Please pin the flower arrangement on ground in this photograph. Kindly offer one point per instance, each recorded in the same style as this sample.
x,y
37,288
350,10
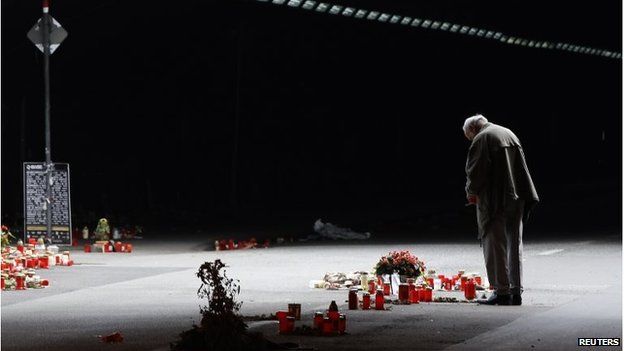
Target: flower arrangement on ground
x,y
6,236
402,263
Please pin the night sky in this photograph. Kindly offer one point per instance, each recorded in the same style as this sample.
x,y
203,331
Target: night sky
x,y
206,111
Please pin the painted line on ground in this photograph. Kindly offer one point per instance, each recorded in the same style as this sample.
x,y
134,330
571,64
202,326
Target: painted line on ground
x,y
549,252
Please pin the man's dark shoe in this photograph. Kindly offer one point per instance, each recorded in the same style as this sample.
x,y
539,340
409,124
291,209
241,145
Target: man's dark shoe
x,y
496,299
516,300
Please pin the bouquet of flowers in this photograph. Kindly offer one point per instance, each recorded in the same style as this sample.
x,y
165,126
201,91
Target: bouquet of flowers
x,y
6,236
400,262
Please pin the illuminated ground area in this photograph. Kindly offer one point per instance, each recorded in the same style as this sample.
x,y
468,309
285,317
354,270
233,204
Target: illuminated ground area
x,y
573,289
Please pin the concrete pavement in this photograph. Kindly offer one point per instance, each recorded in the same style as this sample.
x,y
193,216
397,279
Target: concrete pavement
x,y
573,289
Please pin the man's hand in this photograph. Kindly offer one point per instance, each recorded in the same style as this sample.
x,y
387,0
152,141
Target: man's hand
x,y
472,199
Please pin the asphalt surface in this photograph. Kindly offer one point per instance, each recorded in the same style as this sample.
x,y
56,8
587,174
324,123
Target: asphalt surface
x,y
572,290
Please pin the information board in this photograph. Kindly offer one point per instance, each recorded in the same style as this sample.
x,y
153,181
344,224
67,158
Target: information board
x,y
35,216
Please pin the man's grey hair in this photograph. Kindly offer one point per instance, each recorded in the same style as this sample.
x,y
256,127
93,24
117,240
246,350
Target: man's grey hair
x,y
476,120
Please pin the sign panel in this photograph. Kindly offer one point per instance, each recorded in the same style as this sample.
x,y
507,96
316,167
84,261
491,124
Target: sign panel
x,y
35,204
57,35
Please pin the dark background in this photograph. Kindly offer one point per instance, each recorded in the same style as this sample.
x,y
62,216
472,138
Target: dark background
x,y
201,113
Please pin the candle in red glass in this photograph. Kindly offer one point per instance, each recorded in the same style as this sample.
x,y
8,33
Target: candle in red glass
x,y
371,287
430,282
386,289
413,294
366,301
334,317
470,292
404,293
283,326
128,248
478,280
30,263
43,262
118,246
281,315
318,320
290,324
45,282
342,324
328,326
87,248
19,282
462,287
353,299
422,296
428,295
447,284
20,248
32,241
379,300
57,259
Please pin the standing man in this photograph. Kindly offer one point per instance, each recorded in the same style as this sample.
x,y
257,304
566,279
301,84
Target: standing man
x,y
499,184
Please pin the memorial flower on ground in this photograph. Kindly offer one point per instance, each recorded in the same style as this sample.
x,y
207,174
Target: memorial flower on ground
x,y
400,262
6,236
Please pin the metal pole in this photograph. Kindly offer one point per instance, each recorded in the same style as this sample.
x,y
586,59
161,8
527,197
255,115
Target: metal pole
x,y
48,146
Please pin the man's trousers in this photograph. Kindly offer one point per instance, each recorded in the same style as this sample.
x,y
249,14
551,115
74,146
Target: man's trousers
x,y
502,249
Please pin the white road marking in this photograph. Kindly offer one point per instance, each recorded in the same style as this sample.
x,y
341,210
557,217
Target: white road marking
x,y
549,252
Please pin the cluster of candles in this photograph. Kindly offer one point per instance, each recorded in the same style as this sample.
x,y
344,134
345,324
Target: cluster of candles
x,y
19,263
328,323
411,293
408,293
460,282
332,322
221,245
106,246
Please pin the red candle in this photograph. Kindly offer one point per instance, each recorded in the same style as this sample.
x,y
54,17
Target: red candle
x,y
43,262
413,294
404,293
2,284
342,324
128,248
428,295
386,289
430,282
462,286
87,248
422,295
448,285
283,326
379,300
318,320
32,241
470,292
45,282
371,287
328,326
58,259
353,299
281,315
19,282
118,246
20,248
366,301
31,263
478,280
